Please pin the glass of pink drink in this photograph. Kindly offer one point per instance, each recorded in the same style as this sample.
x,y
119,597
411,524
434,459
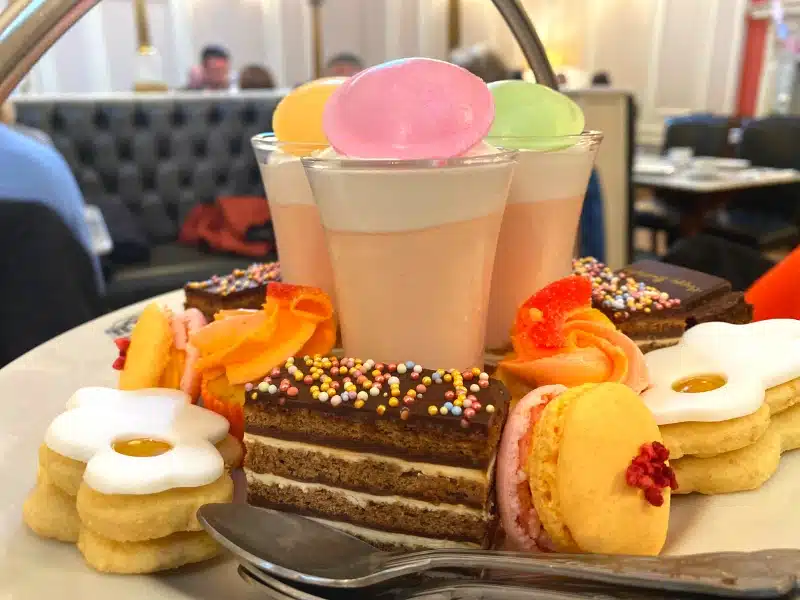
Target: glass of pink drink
x,y
302,250
412,245
539,232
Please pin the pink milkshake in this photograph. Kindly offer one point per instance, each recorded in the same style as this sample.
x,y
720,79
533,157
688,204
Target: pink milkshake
x,y
298,231
412,243
540,226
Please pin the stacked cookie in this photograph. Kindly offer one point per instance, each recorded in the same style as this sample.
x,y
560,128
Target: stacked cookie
x,y
122,474
727,401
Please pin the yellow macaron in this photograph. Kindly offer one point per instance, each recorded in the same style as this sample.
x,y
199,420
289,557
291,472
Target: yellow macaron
x,y
582,446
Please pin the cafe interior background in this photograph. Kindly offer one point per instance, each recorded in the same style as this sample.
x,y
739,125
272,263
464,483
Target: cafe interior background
x,y
641,70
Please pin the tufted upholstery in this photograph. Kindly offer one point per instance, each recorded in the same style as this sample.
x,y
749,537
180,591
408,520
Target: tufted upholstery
x,y
146,160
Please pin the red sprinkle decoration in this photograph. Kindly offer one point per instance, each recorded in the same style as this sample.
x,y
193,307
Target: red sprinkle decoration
x,y
650,473
122,344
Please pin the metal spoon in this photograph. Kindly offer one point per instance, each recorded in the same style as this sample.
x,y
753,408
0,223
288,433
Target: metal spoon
x,y
302,550
443,590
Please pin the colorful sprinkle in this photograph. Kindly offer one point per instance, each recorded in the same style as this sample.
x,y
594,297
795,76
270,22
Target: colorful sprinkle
x,y
619,294
341,381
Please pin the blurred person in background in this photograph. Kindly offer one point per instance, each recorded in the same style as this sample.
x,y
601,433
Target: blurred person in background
x,y
254,77
480,60
31,171
8,117
46,251
601,79
343,65
216,65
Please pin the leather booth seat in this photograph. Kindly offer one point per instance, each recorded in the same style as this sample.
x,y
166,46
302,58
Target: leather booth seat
x,y
145,160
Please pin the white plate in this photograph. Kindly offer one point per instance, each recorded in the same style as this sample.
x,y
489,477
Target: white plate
x,y
35,388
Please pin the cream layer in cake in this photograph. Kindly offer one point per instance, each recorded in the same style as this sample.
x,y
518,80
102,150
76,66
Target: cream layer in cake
x,y
386,540
396,514
367,472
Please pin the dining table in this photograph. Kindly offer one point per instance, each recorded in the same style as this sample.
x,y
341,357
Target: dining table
x,y
35,388
695,192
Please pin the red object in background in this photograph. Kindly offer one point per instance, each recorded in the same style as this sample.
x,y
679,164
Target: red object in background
x,y
755,47
776,295
224,224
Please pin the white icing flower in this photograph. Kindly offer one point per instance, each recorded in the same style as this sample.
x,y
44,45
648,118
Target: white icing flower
x,y
97,418
750,359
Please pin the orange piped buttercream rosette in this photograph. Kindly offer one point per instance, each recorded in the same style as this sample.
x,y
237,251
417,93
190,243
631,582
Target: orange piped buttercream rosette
x,y
559,338
242,346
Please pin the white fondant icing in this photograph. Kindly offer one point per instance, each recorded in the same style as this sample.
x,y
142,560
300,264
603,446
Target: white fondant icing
x,y
752,357
97,417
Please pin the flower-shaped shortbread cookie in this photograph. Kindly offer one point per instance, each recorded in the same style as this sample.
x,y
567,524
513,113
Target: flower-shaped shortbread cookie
x,y
102,425
721,371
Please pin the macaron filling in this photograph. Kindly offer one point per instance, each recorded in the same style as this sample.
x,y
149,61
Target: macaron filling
x,y
518,514
542,468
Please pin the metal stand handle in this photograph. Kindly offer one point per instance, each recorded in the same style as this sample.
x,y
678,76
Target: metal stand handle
x,y
28,28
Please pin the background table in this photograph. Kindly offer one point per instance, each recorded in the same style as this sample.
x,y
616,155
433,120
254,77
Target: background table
x,y
35,388
695,198
724,182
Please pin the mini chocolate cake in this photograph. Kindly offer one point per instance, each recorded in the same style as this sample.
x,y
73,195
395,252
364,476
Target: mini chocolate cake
x,y
653,302
243,288
398,455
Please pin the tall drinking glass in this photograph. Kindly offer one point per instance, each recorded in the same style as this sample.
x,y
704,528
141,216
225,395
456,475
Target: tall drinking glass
x,y
412,245
540,226
298,231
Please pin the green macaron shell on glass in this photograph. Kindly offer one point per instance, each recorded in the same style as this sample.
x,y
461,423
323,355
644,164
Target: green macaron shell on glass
x,y
529,116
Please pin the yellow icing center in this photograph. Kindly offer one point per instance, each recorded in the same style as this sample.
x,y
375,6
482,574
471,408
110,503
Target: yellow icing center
x,y
141,447
699,383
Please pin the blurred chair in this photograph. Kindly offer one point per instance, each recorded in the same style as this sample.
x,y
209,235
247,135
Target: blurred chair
x,y
765,218
48,277
707,135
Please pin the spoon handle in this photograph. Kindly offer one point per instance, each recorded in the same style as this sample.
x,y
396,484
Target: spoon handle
x,y
730,574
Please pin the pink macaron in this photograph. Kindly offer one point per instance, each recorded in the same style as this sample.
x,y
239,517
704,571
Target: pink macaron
x,y
410,109
184,324
518,516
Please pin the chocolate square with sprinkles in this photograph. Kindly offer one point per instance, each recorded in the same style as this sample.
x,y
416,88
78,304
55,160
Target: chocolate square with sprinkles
x,y
242,288
654,302
414,446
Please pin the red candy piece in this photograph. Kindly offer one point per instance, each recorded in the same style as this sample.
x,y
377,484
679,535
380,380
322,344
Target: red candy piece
x,y
540,320
122,344
650,473
282,291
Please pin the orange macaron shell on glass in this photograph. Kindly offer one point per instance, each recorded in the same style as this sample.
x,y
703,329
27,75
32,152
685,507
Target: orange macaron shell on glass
x,y
583,470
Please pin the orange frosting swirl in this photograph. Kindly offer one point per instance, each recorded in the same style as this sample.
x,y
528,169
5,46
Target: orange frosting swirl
x,y
248,344
559,338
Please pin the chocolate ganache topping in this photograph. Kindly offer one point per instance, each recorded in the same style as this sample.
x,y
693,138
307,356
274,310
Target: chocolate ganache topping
x,y
368,390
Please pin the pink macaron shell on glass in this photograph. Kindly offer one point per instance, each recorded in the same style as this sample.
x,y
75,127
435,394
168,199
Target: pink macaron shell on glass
x,y
410,109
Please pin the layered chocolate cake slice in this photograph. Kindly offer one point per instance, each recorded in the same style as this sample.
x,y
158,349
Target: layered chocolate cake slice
x,y
242,288
653,302
398,455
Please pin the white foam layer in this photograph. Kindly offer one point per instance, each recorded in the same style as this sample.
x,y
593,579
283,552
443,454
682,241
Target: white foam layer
x,y
362,499
401,539
542,176
431,470
396,198
285,180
